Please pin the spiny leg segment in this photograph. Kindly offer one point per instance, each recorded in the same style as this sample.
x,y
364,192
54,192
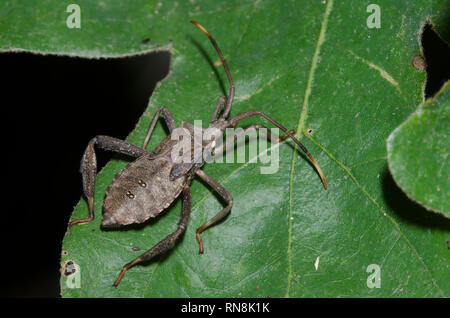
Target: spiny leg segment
x,y
89,166
89,160
166,243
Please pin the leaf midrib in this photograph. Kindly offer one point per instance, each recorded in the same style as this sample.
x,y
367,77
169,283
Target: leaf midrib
x,y
300,127
299,133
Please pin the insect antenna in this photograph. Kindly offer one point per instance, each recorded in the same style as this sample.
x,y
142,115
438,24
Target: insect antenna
x,y
234,121
227,110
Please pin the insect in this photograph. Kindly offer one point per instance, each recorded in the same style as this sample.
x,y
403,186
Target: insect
x,y
148,185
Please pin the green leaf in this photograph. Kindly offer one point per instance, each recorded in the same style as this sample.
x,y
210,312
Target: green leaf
x,y
418,154
314,66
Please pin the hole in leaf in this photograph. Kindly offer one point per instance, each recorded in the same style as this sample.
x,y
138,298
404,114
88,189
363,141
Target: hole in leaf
x,y
69,268
437,54
54,105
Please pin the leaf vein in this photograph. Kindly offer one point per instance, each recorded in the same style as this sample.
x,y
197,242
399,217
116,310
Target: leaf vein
x,y
300,126
381,71
380,209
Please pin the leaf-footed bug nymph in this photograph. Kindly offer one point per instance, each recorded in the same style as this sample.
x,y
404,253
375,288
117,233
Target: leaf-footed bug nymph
x,y
148,185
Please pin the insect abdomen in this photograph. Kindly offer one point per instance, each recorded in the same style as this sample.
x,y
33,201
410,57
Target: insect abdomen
x,y
142,190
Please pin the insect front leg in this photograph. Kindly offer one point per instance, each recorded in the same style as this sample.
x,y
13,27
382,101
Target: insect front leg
x,y
241,133
236,119
89,166
219,107
169,122
219,216
168,241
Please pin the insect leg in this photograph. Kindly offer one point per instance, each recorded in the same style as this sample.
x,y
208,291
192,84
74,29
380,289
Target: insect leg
x,y
169,122
219,216
234,121
168,241
89,166
244,132
219,107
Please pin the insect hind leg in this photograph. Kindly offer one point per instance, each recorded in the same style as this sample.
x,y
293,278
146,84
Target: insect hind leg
x,y
89,166
166,243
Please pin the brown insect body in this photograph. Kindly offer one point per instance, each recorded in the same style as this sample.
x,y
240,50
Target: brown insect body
x,y
148,185
142,190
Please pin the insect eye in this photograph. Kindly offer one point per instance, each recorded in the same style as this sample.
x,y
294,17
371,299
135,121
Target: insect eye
x,y
130,195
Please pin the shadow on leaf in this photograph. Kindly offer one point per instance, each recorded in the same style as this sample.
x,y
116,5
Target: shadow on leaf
x,y
408,210
211,64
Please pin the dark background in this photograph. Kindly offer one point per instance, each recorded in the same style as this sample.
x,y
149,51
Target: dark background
x,y
54,106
